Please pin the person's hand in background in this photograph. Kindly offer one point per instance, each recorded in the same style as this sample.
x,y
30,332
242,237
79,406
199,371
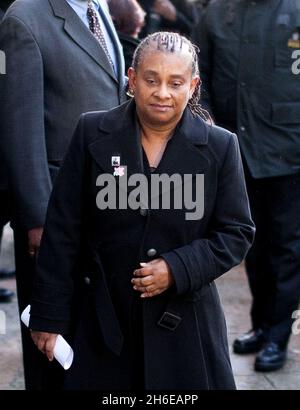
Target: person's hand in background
x,y
165,9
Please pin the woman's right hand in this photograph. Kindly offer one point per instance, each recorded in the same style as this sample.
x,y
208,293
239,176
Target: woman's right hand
x,y
45,342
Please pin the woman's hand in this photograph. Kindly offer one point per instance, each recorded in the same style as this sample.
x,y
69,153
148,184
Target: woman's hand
x,y
152,278
45,342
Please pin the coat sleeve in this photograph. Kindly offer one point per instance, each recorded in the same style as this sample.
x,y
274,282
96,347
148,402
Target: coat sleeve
x,y
23,144
61,243
230,235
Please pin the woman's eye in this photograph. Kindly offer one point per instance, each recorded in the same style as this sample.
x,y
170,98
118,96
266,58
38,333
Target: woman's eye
x,y
150,81
176,85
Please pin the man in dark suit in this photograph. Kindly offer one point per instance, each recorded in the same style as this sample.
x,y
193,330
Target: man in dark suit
x,y
246,61
63,58
5,294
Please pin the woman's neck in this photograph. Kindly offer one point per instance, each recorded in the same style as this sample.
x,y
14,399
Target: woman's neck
x,y
154,143
151,134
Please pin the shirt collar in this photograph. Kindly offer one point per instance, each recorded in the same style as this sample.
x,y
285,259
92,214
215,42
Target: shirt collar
x,y
82,4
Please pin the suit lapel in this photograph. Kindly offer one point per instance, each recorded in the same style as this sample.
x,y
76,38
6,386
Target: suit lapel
x,y
81,35
117,45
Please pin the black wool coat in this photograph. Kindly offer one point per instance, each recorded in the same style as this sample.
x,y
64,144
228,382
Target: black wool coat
x,y
184,331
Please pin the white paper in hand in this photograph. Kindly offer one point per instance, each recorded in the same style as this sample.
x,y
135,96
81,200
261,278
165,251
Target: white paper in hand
x,y
63,352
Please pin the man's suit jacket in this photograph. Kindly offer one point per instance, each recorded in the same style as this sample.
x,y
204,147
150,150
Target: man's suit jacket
x,y
56,70
111,243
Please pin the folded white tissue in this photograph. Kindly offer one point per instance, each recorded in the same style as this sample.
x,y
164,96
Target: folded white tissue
x,y
63,352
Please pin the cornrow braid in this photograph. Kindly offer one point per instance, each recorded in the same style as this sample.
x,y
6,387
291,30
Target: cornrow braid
x,y
170,43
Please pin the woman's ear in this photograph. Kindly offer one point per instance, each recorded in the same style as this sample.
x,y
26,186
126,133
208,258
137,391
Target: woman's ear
x,y
131,78
195,81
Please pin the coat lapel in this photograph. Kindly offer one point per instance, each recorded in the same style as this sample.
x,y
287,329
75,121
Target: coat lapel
x,y
185,153
81,35
122,139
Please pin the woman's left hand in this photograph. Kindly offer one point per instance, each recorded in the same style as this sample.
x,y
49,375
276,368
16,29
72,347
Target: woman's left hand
x,y
152,278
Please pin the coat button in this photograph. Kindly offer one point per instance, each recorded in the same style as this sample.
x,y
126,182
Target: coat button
x,y
143,212
87,280
151,252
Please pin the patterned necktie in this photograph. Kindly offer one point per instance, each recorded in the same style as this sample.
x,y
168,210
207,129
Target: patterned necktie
x,y
95,28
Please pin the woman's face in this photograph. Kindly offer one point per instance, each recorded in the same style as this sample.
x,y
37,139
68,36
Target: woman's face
x,y
162,86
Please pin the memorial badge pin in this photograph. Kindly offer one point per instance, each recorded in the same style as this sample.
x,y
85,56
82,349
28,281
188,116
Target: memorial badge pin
x,y
115,161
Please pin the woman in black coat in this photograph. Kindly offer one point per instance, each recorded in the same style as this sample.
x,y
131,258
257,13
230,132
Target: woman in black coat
x,y
151,318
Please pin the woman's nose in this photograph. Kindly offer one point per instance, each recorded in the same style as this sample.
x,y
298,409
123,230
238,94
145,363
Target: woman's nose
x,y
163,92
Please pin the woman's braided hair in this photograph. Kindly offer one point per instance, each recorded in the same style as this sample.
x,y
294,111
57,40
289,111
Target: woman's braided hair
x,y
171,42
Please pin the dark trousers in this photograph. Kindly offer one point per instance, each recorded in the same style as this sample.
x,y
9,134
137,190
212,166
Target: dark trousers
x,y
39,373
273,263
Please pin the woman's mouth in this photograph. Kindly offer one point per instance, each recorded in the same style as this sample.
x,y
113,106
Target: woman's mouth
x,y
161,107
